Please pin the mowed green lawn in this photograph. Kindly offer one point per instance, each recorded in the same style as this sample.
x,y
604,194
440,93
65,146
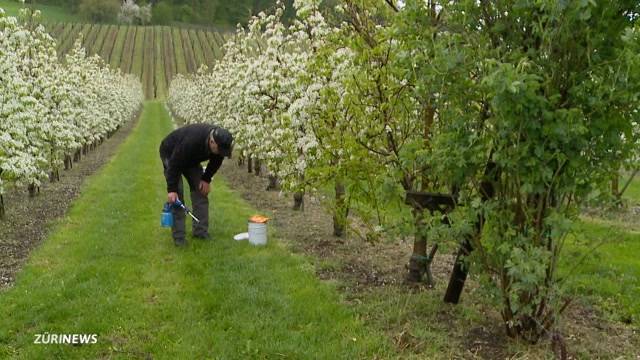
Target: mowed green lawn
x,y
608,267
108,268
50,13
601,262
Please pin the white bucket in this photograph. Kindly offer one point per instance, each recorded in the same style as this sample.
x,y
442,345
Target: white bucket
x,y
258,233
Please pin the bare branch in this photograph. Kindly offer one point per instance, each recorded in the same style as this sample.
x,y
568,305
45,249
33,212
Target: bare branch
x,y
392,4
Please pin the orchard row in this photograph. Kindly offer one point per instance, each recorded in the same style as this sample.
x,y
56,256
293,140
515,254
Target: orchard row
x,y
484,124
52,111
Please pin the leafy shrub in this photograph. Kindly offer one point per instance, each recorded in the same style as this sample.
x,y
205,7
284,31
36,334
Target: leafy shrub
x,y
99,10
162,14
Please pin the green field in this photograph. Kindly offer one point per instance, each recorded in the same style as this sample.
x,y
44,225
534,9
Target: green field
x,y
116,273
153,53
49,13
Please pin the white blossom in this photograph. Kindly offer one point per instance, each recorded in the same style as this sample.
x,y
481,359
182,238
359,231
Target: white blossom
x,y
263,92
48,110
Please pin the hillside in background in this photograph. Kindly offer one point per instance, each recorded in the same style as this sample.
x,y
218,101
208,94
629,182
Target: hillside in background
x,y
219,13
154,53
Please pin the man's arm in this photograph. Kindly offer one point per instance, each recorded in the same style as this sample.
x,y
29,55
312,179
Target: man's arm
x,y
212,167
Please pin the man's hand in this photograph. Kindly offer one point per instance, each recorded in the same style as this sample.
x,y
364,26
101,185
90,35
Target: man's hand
x,y
172,197
204,188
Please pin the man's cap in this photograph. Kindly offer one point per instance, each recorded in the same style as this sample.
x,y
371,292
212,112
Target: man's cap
x,y
224,139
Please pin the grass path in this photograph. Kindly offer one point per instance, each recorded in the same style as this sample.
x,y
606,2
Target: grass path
x,y
109,269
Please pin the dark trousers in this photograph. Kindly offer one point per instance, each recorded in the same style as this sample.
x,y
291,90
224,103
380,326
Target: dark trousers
x,y
199,204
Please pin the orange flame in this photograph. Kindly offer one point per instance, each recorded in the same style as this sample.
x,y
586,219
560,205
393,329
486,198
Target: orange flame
x,y
260,219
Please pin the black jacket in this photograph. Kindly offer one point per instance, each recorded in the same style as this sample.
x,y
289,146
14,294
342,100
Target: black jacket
x,y
187,147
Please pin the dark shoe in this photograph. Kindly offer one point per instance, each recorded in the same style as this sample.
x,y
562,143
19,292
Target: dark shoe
x,y
180,242
202,237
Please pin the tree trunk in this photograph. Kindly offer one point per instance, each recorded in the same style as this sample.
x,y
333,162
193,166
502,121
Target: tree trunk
x,y
524,327
615,187
420,263
298,201
341,211
68,163
32,190
249,164
2,210
273,183
54,176
257,166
